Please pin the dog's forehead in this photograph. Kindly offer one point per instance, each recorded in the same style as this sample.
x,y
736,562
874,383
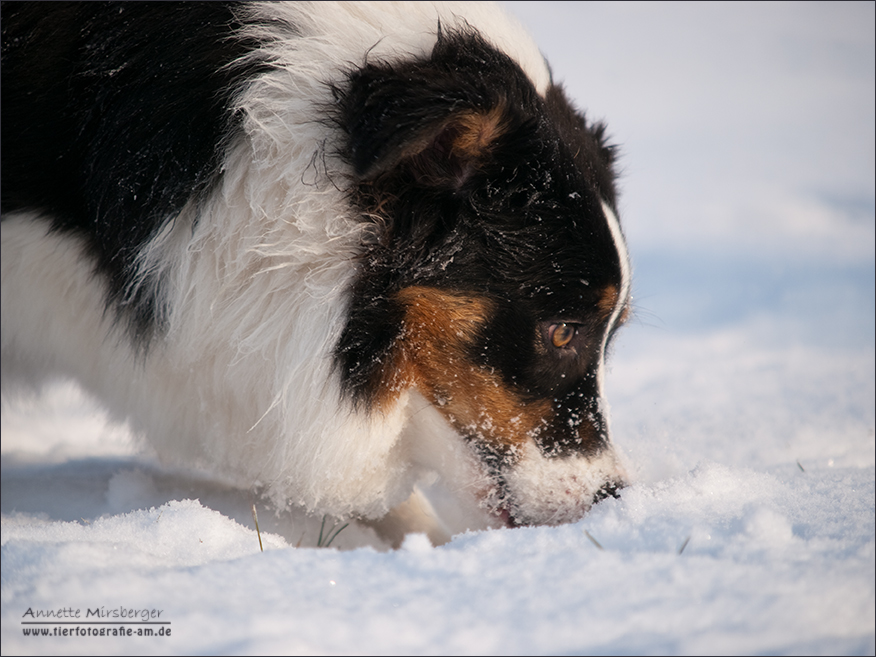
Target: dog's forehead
x,y
565,263
563,248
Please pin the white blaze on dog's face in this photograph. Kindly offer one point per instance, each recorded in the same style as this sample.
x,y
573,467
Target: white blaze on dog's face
x,y
497,273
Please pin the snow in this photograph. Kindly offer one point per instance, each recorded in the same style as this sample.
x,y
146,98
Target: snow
x,y
742,398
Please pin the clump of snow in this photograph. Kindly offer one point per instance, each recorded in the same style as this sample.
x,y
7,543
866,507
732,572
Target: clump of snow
x,y
417,543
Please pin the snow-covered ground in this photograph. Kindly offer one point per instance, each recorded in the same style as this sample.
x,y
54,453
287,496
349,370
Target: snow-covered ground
x,y
743,398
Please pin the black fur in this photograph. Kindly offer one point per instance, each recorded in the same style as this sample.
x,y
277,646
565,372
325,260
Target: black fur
x,y
114,117
522,226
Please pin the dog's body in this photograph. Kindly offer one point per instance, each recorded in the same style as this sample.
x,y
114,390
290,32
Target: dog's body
x,y
321,248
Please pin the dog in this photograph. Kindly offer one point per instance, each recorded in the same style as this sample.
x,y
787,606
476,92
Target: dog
x,y
323,250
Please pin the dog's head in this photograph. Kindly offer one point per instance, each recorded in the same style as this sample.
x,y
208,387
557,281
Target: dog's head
x,y
495,272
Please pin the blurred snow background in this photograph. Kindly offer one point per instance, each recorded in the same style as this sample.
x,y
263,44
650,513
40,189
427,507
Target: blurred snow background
x,y
742,395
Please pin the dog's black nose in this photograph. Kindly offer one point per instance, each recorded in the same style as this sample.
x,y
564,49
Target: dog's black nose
x,y
610,489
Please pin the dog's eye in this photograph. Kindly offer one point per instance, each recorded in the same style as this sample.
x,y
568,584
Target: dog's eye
x,y
561,334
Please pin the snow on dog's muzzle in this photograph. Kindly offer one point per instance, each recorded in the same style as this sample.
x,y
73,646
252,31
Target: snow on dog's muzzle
x,y
538,490
556,476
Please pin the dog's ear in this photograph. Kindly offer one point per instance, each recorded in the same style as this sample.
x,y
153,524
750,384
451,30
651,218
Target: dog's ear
x,y
445,156
398,120
440,117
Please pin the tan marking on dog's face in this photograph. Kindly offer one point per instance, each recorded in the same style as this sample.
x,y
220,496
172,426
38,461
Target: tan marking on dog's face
x,y
607,301
431,354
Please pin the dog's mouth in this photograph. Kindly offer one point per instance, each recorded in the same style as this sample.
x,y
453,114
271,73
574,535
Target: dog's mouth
x,y
504,515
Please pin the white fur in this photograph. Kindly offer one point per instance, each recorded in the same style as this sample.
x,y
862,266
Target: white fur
x,y
620,244
623,298
255,290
